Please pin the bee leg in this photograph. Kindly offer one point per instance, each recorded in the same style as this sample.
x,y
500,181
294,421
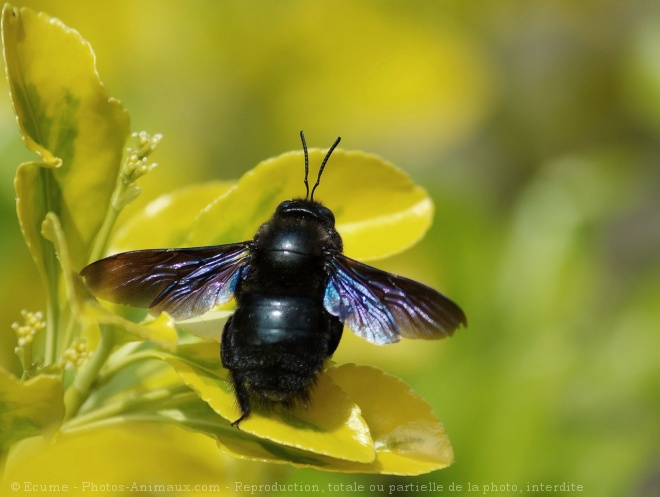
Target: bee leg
x,y
229,361
243,397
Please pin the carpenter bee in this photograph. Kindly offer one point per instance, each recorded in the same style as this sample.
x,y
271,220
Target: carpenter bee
x,y
294,289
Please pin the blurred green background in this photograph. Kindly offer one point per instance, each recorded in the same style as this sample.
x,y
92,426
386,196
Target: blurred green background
x,y
534,125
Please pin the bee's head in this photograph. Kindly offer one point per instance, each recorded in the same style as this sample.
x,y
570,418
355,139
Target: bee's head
x,y
307,208
306,211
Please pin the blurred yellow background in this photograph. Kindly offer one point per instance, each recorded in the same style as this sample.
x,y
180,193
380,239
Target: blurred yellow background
x,y
534,125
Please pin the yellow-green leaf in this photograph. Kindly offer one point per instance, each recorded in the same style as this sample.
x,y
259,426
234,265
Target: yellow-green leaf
x,y
409,439
259,449
330,426
31,208
208,326
27,409
66,116
160,330
131,458
403,437
379,210
165,222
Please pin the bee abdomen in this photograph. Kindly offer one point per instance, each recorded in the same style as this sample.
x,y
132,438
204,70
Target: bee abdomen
x,y
275,347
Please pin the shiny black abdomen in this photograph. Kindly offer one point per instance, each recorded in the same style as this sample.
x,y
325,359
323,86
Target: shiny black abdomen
x,y
275,346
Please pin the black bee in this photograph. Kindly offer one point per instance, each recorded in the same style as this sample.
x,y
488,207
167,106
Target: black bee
x,y
294,290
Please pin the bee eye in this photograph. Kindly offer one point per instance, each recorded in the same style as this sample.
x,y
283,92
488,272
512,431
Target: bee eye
x,y
327,214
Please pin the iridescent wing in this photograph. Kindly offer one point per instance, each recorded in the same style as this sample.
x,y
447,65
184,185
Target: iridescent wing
x,y
382,307
182,282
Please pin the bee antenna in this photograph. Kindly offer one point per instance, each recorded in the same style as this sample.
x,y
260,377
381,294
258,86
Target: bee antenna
x,y
304,144
325,160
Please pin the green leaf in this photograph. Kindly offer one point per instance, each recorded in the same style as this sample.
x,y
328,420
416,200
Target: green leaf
x,y
66,116
330,426
165,222
128,455
27,409
31,208
197,415
409,439
379,210
401,436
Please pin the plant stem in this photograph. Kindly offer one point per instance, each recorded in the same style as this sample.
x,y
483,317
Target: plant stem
x,y
51,267
52,312
133,166
69,333
26,361
120,365
111,215
165,396
78,392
